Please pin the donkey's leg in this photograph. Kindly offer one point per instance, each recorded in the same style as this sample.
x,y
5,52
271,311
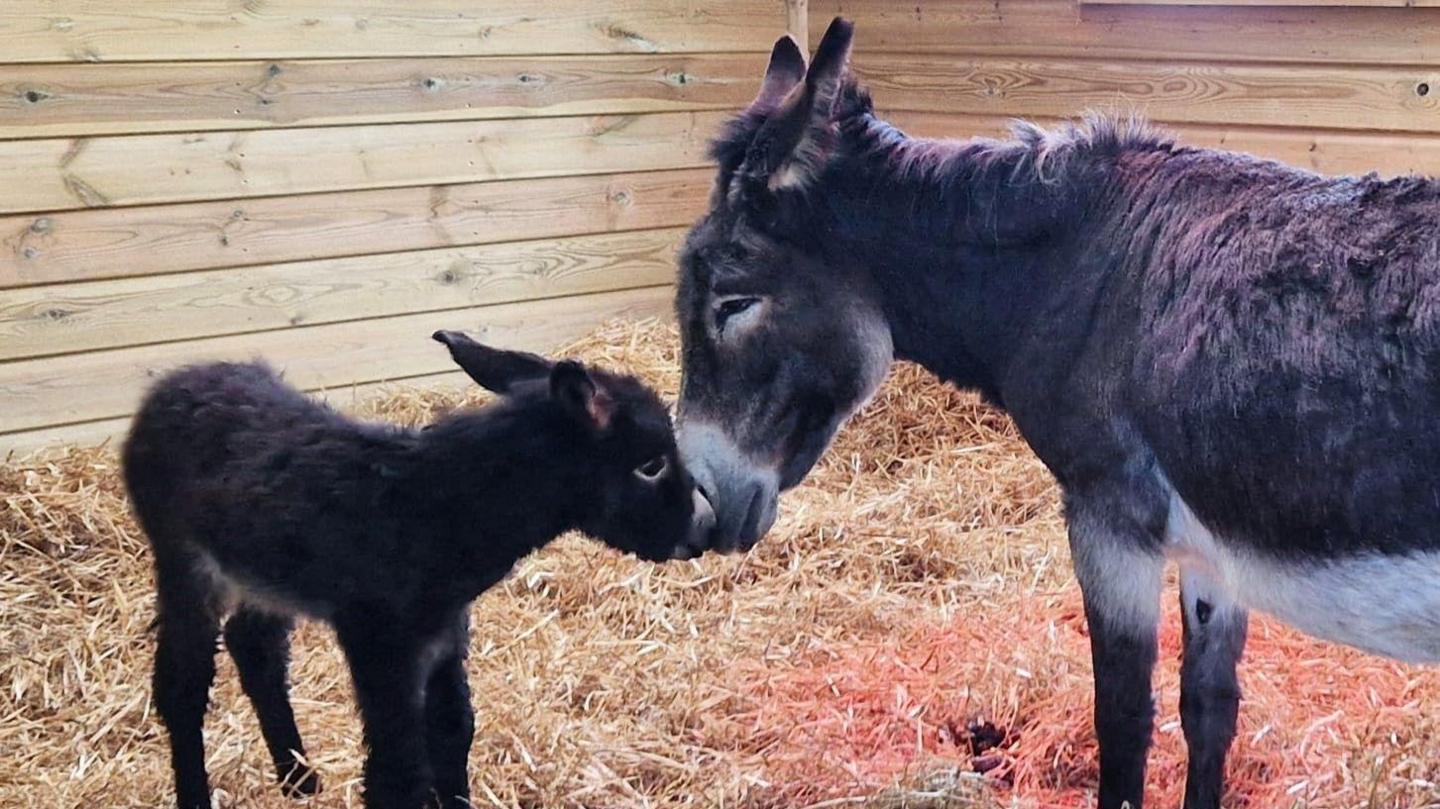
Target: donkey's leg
x,y
449,717
1119,564
386,668
188,629
260,644
1215,629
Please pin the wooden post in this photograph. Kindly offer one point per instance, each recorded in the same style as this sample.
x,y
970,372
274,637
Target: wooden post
x,y
797,23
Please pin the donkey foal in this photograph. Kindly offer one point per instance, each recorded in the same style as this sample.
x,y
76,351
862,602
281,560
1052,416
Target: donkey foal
x,y
262,504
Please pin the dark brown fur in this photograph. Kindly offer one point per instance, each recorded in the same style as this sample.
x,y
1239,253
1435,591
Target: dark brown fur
x,y
1172,328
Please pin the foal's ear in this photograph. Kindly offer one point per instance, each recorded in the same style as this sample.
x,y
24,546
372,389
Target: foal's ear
x,y
793,145
494,369
576,391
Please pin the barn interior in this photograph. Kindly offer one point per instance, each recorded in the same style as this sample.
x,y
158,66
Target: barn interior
x,y
323,183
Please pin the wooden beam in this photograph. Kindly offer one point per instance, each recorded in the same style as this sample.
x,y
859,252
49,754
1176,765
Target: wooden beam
x,y
49,442
61,174
797,24
67,318
128,242
66,100
1327,152
105,31
107,384
1288,3
1331,96
1064,28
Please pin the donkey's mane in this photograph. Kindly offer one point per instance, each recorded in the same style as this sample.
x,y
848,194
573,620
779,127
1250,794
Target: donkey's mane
x,y
1032,153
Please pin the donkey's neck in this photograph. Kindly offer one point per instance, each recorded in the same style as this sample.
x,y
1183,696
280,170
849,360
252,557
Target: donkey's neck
x,y
950,231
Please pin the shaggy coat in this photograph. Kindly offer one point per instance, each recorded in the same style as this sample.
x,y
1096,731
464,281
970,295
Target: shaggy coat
x,y
1225,362
262,504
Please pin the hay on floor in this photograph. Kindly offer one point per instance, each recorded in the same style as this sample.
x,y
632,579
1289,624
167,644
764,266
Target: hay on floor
x,y
909,635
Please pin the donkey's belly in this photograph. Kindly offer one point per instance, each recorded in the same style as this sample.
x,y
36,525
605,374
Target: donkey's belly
x,y
1388,605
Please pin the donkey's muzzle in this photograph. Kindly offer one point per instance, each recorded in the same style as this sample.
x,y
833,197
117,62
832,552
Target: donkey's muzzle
x,y
746,511
743,494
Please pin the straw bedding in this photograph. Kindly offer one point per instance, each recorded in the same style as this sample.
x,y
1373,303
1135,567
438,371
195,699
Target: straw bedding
x,y
909,635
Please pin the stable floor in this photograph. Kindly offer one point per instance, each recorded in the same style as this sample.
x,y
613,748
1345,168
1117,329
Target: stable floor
x,y
909,635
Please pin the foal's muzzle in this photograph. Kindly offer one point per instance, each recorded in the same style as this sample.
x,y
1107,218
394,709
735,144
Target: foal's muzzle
x,y
702,524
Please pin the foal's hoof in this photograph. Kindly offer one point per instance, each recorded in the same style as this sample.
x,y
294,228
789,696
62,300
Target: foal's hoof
x,y
299,781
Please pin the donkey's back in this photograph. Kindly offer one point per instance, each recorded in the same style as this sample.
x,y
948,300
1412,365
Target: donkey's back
x,y
1286,377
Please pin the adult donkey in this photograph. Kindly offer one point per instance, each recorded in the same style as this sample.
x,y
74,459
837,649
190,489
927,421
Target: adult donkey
x,y
1222,360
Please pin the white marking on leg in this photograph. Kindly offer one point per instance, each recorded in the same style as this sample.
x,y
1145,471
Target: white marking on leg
x,y
1122,579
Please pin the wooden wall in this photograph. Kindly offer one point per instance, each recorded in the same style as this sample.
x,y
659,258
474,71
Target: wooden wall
x,y
1333,88
325,182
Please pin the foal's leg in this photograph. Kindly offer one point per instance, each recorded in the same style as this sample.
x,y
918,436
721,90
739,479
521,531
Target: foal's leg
x,y
386,667
1215,629
260,644
1119,566
449,717
184,669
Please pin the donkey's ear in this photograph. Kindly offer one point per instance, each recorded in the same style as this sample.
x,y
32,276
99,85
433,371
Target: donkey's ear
x,y
784,73
492,368
794,144
576,391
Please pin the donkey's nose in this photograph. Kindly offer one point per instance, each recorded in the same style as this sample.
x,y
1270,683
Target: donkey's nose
x,y
741,493
759,515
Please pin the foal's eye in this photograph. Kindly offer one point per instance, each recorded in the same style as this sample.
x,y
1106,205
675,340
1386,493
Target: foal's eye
x,y
653,469
727,309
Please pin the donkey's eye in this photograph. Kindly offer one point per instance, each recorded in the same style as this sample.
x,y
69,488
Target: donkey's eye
x,y
730,308
653,469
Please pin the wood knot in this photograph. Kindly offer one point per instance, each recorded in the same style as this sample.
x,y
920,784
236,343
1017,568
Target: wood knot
x,y
35,96
42,225
1422,89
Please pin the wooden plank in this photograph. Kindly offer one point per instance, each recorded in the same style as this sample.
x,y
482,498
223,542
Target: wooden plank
x,y
48,442
106,384
1327,152
65,100
1257,3
60,174
66,318
125,242
105,31
1064,28
797,22
1271,95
